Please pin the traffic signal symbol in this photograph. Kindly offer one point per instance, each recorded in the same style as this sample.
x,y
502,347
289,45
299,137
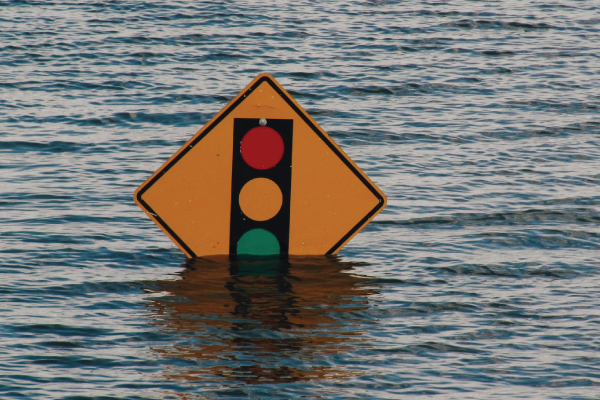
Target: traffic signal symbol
x,y
261,186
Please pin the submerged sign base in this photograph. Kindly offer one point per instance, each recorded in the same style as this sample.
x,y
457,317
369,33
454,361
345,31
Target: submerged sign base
x,y
261,178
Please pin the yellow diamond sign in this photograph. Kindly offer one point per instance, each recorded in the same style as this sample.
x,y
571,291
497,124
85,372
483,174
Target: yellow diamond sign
x,y
261,178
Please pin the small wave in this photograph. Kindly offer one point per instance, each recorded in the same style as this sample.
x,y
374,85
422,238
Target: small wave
x,y
494,24
59,329
514,270
51,147
497,52
524,217
588,127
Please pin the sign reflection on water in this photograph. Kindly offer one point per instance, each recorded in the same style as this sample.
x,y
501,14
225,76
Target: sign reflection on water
x,y
261,321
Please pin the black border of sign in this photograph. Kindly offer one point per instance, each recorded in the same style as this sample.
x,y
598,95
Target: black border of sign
x,y
305,118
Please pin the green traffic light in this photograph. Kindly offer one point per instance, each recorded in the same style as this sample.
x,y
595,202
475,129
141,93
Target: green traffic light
x,y
258,242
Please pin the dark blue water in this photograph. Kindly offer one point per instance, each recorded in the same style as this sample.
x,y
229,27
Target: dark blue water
x,y
480,280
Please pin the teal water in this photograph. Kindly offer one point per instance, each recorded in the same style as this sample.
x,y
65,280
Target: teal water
x,y
480,280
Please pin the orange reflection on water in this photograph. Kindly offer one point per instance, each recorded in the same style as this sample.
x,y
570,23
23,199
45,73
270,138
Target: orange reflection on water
x,y
262,321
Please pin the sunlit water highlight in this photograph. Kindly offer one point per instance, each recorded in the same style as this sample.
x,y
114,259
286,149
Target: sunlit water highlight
x,y
479,120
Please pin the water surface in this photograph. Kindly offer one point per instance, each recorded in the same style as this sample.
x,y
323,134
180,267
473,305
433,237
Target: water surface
x,y
480,280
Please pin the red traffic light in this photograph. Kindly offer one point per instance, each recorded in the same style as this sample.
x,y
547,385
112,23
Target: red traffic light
x,y
262,147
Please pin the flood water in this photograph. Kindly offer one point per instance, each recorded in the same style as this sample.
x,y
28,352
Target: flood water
x,y
480,121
